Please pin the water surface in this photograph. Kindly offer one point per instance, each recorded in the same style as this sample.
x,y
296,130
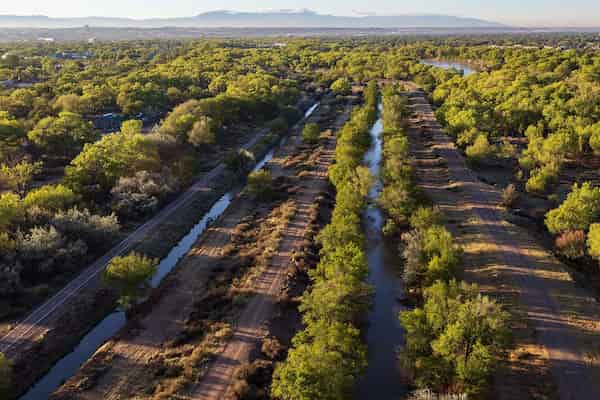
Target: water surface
x,y
384,333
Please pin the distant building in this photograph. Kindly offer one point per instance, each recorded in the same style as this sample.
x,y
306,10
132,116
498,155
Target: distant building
x,y
46,39
72,55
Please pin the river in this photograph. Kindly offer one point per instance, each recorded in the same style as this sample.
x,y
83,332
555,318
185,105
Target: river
x,y
67,366
384,334
467,70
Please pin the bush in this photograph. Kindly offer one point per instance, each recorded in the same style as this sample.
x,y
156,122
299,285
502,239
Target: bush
x,y
480,150
45,251
593,241
130,275
239,162
260,184
97,231
341,86
580,209
51,198
141,194
509,195
571,244
310,133
10,209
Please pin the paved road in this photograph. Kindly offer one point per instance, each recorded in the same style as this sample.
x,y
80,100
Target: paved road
x,y
564,316
25,332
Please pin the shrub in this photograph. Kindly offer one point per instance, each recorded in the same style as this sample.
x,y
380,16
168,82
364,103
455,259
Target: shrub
x,y
341,86
141,194
50,197
593,241
480,150
509,195
203,132
130,275
239,162
541,177
10,209
97,231
580,209
260,184
571,244
310,133
44,251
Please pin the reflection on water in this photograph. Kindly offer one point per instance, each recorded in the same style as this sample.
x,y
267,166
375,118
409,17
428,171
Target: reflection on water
x,y
67,366
467,70
384,333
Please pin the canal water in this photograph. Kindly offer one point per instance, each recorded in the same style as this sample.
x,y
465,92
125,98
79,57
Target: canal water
x,y
67,366
467,70
384,334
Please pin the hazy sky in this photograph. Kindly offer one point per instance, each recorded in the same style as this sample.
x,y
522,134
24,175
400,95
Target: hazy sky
x,y
517,12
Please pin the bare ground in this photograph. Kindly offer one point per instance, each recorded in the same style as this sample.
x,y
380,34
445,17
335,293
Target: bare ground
x,y
556,324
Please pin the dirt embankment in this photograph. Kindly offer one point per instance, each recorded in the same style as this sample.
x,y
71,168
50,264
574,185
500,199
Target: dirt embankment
x,y
556,324
169,345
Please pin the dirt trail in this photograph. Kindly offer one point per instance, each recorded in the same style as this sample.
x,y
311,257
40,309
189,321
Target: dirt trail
x,y
558,328
250,328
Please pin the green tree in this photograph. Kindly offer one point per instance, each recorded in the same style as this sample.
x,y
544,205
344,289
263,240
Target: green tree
x,y
341,86
203,132
580,209
51,198
260,184
310,133
323,364
453,340
130,275
10,209
11,134
17,178
62,136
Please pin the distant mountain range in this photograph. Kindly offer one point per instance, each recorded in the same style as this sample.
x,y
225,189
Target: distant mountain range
x,y
272,19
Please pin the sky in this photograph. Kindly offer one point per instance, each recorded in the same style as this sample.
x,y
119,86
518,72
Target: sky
x,y
513,12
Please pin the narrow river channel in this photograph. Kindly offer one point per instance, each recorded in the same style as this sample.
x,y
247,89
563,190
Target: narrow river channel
x,y
67,366
382,380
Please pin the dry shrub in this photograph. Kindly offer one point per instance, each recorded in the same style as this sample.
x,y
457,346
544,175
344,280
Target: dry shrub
x,y
509,195
571,244
272,348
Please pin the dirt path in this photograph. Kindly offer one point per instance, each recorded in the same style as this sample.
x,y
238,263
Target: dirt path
x,y
557,332
250,328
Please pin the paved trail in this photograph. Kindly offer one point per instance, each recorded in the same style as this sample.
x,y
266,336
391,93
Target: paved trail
x,y
565,318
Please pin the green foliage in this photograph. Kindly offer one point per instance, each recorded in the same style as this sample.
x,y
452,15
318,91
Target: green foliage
x,y
260,184
202,132
580,209
10,209
454,339
130,275
480,150
323,364
341,86
593,241
62,136
310,133
18,177
239,162
50,197
11,134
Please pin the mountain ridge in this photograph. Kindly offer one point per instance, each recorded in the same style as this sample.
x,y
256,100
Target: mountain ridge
x,y
241,19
